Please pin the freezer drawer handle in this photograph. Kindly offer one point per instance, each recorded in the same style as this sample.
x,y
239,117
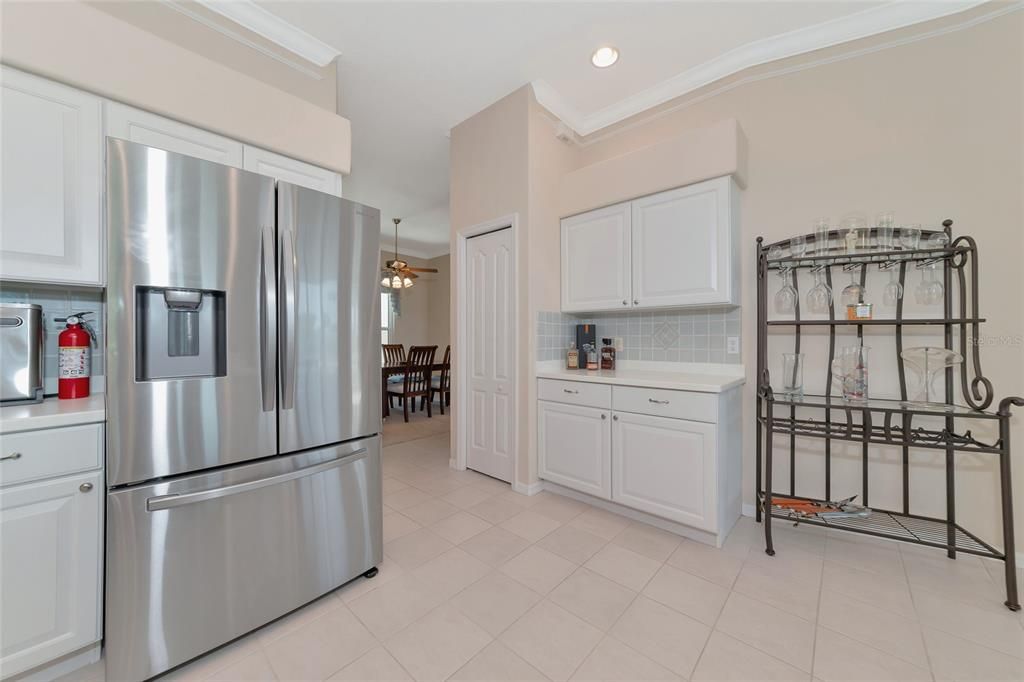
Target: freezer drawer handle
x,y
180,500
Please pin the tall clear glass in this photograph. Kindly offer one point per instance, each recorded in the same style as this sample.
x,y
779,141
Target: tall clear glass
x,y
793,374
850,371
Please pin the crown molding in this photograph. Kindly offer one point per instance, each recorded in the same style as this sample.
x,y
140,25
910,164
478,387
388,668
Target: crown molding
x,y
248,14
872,21
180,7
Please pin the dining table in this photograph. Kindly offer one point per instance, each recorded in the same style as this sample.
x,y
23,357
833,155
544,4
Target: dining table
x,y
388,371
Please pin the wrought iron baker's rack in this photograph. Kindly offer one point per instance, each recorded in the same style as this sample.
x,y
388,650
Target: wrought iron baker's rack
x,y
888,422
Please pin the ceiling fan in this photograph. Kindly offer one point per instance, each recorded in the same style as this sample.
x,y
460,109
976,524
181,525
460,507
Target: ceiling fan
x,y
397,274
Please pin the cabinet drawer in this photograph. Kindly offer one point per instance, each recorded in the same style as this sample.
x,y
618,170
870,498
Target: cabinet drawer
x,y
575,393
50,452
701,407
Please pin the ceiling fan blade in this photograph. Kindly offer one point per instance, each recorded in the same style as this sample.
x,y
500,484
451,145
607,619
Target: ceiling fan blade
x,y
411,269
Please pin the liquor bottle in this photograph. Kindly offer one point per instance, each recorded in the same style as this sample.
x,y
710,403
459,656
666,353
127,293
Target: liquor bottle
x,y
607,354
572,357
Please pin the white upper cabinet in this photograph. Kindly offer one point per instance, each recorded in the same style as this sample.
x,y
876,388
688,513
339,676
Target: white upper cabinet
x,y
684,246
151,130
289,170
596,261
51,151
680,249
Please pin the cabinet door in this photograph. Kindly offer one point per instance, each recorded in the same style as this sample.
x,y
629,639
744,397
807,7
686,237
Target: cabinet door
x,y
151,130
574,447
50,535
683,246
51,147
296,172
595,260
665,467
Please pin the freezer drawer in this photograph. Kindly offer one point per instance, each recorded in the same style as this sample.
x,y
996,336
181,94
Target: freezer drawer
x,y
198,561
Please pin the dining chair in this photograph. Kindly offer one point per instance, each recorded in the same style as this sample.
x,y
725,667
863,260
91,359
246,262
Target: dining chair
x,y
419,364
441,385
394,355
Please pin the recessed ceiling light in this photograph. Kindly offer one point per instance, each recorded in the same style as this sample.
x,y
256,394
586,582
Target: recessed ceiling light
x,y
604,57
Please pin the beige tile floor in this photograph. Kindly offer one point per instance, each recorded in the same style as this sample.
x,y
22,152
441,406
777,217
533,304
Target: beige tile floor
x,y
480,583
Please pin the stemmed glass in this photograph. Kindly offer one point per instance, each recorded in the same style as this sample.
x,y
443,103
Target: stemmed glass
x,y
853,293
785,298
819,298
893,291
929,290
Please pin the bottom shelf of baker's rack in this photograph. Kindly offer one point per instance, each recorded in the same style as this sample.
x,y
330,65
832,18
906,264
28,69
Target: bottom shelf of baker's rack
x,y
920,530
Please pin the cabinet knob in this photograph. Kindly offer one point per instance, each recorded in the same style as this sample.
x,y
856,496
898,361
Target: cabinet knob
x,y
636,302
625,302
604,416
13,455
85,487
615,417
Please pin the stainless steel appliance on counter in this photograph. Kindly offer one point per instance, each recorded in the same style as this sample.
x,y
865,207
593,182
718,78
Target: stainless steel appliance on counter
x,y
243,455
21,353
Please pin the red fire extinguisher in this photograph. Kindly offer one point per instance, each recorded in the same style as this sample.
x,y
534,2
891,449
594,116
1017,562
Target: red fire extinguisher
x,y
74,359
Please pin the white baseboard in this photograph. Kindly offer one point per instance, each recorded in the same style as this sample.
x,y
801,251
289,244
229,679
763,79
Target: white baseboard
x,y
65,665
656,521
528,489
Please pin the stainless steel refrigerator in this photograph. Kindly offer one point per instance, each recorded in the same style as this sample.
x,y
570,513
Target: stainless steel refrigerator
x,y
243,402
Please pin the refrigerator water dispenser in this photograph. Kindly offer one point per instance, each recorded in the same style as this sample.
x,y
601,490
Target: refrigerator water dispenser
x,y
180,334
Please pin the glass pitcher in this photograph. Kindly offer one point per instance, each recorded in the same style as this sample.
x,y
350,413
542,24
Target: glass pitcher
x,y
850,371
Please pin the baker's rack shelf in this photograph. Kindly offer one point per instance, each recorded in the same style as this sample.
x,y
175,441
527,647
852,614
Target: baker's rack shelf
x,y
883,422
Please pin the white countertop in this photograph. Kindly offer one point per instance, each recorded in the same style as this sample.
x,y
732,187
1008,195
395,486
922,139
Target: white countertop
x,y
676,376
52,413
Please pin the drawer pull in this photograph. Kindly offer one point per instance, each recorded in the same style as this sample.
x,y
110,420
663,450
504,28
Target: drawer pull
x,y
567,390
85,487
13,455
657,402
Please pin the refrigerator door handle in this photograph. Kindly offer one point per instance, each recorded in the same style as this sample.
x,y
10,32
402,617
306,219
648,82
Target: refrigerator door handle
x,y
179,500
268,328
288,322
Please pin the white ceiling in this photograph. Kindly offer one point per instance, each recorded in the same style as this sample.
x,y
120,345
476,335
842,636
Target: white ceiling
x,y
410,71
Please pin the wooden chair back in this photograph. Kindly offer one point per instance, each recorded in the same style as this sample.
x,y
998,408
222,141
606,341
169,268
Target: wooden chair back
x,y
394,354
418,365
446,371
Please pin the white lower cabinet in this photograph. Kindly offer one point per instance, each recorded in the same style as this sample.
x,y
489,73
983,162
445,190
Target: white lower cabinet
x,y
670,453
50,569
665,467
575,447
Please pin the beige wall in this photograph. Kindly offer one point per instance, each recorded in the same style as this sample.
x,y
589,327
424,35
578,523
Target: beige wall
x,y
489,180
930,129
424,307
78,44
270,63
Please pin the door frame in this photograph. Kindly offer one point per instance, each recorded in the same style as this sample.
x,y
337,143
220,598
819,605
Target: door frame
x,y
460,359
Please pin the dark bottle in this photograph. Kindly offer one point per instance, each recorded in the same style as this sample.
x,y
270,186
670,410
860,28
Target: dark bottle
x,y
607,355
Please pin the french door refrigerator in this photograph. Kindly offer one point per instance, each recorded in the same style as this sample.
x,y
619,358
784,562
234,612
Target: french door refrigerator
x,y
243,403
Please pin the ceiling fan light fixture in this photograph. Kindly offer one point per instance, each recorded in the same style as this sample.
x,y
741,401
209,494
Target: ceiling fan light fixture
x,y
604,56
386,282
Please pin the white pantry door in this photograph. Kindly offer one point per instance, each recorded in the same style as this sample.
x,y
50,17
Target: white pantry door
x,y
489,328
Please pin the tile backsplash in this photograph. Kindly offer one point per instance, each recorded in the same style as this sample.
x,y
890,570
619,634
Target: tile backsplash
x,y
669,336
60,301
